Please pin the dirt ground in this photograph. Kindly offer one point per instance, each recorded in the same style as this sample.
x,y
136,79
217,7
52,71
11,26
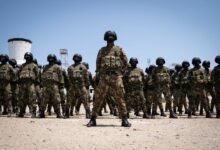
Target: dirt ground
x,y
162,133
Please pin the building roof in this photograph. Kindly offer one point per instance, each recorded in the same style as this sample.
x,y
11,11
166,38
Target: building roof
x,y
19,39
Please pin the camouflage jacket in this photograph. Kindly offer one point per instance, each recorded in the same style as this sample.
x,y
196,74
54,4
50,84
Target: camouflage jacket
x,y
197,77
161,76
6,73
29,72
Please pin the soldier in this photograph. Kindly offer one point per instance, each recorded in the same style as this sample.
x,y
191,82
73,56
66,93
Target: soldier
x,y
215,78
62,91
52,82
111,63
176,88
208,87
184,87
134,95
78,80
149,92
79,102
6,76
14,85
161,79
197,83
28,77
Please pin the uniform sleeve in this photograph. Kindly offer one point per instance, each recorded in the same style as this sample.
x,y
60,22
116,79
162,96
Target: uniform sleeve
x,y
98,61
61,78
124,60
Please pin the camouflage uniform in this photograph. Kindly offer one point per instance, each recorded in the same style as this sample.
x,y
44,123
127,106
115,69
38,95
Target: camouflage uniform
x,y
28,77
78,79
6,76
197,89
134,94
52,82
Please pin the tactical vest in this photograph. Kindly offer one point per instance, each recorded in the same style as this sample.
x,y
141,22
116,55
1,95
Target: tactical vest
x,y
4,72
28,72
197,77
76,74
184,77
162,76
111,59
217,75
50,74
135,77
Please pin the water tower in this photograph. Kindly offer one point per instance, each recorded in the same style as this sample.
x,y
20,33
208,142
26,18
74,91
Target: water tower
x,y
64,57
18,47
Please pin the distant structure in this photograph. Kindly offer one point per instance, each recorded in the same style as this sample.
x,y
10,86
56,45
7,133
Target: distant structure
x,y
148,61
18,47
64,57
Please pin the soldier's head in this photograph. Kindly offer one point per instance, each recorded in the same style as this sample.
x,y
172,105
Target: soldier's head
x,y
12,62
110,36
171,72
160,61
151,68
196,61
206,64
178,68
147,70
59,62
217,59
51,58
77,58
4,58
35,61
28,56
86,65
133,62
185,64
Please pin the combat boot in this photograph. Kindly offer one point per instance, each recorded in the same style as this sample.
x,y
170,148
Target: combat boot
x,y
20,115
125,122
146,115
92,122
153,115
41,115
67,113
217,113
201,112
115,112
172,115
162,113
174,110
87,114
71,112
208,114
189,114
33,115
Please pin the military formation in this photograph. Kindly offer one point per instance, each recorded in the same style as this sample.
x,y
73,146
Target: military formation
x,y
118,83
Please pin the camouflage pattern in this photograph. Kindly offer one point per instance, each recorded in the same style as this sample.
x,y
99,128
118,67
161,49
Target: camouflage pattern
x,y
6,76
28,77
15,89
52,81
111,63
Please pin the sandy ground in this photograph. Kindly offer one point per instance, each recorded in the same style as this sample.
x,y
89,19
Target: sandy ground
x,y
62,134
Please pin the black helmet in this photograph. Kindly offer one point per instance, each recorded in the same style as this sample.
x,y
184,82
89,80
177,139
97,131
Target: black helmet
x,y
160,60
12,62
51,58
28,55
77,58
185,64
147,70
133,60
196,60
4,58
178,67
59,62
35,61
217,59
86,64
151,68
110,35
172,72
206,64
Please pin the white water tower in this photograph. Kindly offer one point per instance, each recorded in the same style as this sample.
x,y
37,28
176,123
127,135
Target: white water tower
x,y
18,47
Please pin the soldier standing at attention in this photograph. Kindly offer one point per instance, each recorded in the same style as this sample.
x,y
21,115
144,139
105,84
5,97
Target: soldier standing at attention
x,y
162,81
28,77
215,78
111,64
197,84
52,82
6,76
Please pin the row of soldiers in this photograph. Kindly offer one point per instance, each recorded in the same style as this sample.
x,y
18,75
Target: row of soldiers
x,y
31,85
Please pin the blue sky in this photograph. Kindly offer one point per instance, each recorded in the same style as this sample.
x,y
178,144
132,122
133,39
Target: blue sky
x,y
174,29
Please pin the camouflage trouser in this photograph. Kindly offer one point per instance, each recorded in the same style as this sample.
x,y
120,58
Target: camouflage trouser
x,y
50,94
176,98
198,94
165,90
152,101
115,83
111,102
135,99
217,97
210,91
63,99
5,96
78,94
79,102
27,97
184,93
15,91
